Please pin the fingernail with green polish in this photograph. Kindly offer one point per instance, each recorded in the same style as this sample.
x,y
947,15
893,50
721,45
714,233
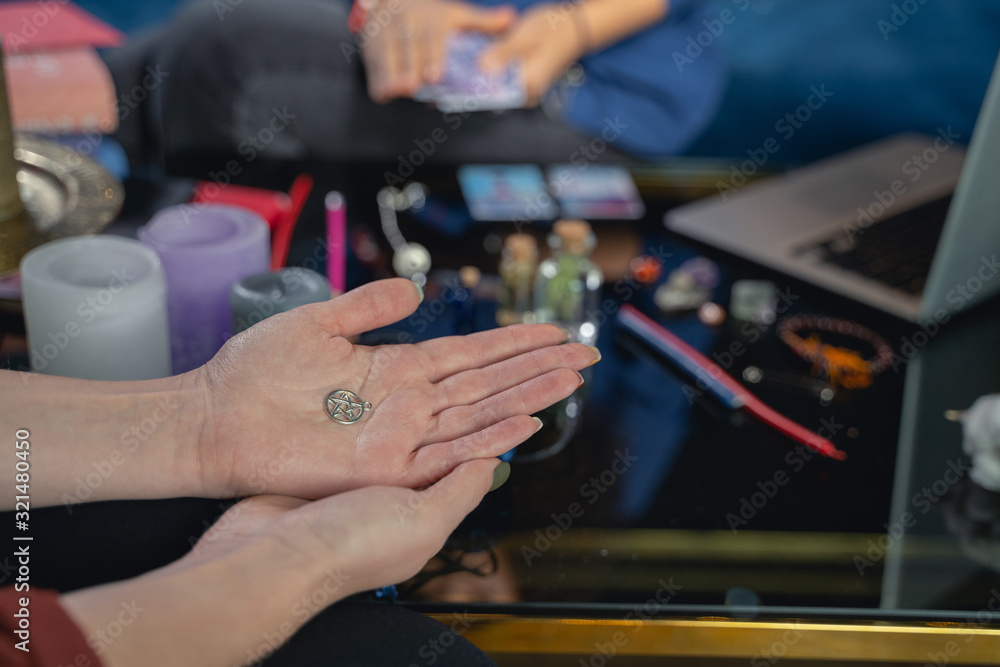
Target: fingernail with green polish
x,y
420,290
500,475
597,355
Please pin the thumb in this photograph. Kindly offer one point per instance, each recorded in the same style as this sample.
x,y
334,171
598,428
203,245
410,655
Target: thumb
x,y
368,307
503,50
473,18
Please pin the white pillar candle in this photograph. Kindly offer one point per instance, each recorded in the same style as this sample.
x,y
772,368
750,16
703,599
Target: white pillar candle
x,y
96,307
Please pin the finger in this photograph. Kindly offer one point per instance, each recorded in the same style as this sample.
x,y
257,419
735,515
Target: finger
x,y
368,307
498,55
473,18
437,50
454,496
386,66
459,353
515,45
524,399
474,385
411,60
435,461
374,62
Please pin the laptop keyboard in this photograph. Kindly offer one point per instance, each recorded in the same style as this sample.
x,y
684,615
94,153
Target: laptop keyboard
x,y
896,251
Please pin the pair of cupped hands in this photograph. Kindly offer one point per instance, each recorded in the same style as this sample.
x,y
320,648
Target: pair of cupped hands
x,y
385,492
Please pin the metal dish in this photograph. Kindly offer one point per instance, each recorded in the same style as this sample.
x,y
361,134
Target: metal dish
x,y
64,194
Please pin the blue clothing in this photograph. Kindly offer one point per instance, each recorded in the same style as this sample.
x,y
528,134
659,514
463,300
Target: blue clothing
x,y
891,65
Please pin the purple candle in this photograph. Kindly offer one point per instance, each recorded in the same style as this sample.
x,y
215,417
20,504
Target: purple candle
x,y
205,250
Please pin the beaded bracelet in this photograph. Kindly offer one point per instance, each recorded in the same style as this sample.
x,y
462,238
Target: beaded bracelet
x,y
843,366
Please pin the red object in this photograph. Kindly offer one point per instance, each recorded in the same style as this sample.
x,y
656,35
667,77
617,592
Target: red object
x,y
751,403
53,637
281,239
271,205
646,269
280,210
359,12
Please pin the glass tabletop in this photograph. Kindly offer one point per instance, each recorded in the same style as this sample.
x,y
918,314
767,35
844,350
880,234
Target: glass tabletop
x,y
642,487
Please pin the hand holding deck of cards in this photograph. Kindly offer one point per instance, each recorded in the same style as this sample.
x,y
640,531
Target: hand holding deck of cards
x,y
465,86
467,57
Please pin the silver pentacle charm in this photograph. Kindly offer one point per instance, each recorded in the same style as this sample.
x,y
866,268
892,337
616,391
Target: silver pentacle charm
x,y
345,406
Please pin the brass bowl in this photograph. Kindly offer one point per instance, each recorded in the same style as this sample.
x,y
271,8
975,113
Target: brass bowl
x,y
64,194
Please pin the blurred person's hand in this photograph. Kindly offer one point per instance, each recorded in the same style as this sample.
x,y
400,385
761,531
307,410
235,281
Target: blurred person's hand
x,y
409,50
545,40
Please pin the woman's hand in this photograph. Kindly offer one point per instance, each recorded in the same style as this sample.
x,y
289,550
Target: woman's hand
x,y
435,404
409,49
545,40
250,573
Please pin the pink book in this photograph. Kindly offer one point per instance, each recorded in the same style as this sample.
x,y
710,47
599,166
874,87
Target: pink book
x,y
46,25
56,82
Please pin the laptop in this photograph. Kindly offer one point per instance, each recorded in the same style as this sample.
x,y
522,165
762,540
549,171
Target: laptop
x,y
909,225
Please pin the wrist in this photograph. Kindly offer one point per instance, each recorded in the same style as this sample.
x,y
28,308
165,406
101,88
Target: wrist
x,y
581,25
156,433
204,609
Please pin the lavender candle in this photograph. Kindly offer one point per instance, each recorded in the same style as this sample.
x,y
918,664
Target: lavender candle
x,y
205,250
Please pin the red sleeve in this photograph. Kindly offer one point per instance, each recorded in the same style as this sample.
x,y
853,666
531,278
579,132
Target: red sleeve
x,y
42,627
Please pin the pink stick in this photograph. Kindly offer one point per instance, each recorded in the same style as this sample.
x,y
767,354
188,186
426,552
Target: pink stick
x,y
336,240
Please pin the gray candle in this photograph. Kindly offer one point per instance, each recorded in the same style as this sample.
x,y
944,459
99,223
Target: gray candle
x,y
257,297
96,307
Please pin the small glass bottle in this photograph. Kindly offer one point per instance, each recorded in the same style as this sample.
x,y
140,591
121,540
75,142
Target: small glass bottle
x,y
567,287
517,273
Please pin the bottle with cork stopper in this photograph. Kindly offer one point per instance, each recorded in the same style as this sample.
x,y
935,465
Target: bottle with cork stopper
x,y
517,274
568,284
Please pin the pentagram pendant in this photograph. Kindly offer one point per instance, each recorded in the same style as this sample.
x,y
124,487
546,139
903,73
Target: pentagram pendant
x,y
345,406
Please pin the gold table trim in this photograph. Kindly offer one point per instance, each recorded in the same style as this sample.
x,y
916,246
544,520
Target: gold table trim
x,y
498,634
